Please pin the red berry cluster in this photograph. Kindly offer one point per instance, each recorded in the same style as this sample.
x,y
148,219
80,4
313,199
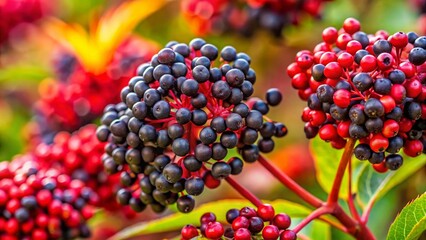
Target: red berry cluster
x,y
366,87
42,204
246,16
178,119
79,155
81,95
17,12
245,224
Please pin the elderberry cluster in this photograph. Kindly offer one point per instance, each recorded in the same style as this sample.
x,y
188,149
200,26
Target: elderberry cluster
x,y
80,94
79,156
246,17
179,118
366,87
245,224
43,204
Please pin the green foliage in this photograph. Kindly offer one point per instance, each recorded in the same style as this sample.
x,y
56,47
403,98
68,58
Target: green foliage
x,y
411,222
176,221
373,185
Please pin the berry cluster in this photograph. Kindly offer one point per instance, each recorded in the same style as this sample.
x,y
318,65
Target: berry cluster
x,y
42,204
245,224
246,16
78,155
366,87
178,119
81,95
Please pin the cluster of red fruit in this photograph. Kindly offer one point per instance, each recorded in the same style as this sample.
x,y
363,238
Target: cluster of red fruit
x,y
366,87
79,155
245,17
246,223
37,203
81,95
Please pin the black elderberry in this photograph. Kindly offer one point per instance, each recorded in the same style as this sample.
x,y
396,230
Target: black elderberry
x,y
362,152
221,170
228,139
219,152
123,196
190,87
236,165
172,172
180,146
203,152
393,161
382,46
221,90
194,186
185,204
362,81
183,115
192,164
218,124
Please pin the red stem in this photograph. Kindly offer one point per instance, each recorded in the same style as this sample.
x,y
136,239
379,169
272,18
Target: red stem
x,y
244,192
351,204
290,183
346,157
315,214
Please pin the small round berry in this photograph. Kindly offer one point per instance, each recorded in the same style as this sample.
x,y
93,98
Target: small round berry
x,y
266,212
393,161
256,225
288,235
351,25
189,232
242,234
270,232
240,222
282,221
232,214
273,97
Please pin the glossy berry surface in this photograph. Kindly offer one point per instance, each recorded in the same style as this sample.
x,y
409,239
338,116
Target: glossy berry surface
x,y
370,88
179,118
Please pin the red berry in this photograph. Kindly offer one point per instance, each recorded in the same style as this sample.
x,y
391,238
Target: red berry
x,y
270,232
305,61
293,69
242,234
39,234
368,63
248,212
3,198
345,60
266,212
208,217
353,46
189,232
390,128
328,132
240,222
329,35
317,118
44,198
408,68
282,221
380,167
328,57
300,81
288,235
214,230
398,93
12,226
343,40
413,148
343,129
388,103
333,70
405,125
351,25
385,61
399,40
414,88
342,98
379,143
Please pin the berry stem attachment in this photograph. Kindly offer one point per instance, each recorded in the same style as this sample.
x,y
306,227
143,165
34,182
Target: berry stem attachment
x,y
346,157
290,183
244,192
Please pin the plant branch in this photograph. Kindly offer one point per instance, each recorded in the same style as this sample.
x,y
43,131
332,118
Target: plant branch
x,y
290,183
315,214
346,157
244,192
351,204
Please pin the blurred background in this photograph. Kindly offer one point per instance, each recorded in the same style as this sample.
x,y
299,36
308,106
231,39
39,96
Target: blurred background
x,y
38,40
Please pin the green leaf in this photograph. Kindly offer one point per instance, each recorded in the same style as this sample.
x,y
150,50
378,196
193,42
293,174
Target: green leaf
x,y
326,160
23,73
372,185
176,221
411,222
317,230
